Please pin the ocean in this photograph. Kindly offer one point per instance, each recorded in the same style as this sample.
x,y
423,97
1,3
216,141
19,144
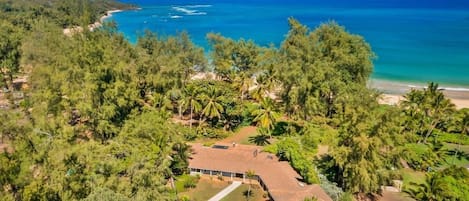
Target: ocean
x,y
415,41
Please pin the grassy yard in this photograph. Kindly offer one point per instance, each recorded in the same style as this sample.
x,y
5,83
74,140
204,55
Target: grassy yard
x,y
238,194
410,175
205,189
462,158
247,141
464,148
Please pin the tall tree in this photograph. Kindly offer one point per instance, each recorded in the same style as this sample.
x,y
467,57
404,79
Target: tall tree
x,y
10,52
266,115
316,66
250,174
364,144
212,103
426,109
193,100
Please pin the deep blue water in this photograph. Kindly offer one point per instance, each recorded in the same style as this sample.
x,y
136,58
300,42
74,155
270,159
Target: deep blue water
x,y
415,41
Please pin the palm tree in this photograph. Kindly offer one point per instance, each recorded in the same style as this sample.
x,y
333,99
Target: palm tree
x,y
430,190
265,82
428,107
265,115
180,155
464,131
439,108
192,100
213,107
243,83
250,174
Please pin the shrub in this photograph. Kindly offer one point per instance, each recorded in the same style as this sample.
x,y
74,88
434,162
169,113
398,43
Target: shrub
x,y
290,150
184,182
184,198
331,188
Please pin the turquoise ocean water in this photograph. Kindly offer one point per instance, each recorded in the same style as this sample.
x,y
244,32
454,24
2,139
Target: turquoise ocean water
x,y
415,41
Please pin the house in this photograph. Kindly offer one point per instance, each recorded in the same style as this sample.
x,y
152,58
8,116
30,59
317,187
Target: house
x,y
278,178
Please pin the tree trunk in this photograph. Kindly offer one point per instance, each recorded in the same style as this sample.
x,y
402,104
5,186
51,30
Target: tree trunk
x,y
429,132
5,81
180,111
458,149
249,189
190,120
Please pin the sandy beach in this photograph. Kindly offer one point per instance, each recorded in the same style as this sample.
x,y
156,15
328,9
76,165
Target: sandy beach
x,y
101,20
91,27
393,92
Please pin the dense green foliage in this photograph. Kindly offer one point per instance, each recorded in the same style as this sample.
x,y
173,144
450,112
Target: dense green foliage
x,y
448,184
103,119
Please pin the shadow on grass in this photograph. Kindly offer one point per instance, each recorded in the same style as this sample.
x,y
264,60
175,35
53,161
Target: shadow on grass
x,y
260,140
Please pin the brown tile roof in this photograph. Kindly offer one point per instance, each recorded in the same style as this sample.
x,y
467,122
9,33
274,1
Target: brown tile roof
x,y
278,176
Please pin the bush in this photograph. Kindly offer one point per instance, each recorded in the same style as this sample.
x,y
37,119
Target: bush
x,y
190,182
186,181
347,196
332,189
212,133
184,198
290,150
248,193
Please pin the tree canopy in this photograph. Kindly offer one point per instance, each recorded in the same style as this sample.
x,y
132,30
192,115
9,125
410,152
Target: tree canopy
x,y
104,119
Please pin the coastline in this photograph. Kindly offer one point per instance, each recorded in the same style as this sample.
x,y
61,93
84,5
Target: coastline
x,y
99,23
70,31
393,92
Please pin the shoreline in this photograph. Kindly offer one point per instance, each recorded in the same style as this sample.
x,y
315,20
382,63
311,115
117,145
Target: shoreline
x,y
70,31
393,92
99,23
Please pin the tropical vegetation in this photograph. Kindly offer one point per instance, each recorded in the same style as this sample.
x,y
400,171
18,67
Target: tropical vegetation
x,y
100,118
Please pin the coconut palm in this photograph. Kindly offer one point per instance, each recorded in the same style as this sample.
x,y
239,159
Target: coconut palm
x,y
180,155
250,174
426,109
192,100
464,128
430,190
266,116
243,83
212,103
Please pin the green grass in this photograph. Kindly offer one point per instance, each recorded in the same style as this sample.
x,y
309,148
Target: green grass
x,y
462,158
246,140
238,194
450,146
452,138
205,189
409,175
181,180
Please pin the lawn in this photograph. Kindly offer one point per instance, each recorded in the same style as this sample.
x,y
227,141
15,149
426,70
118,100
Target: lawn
x,y
206,188
464,148
247,140
462,158
238,194
413,176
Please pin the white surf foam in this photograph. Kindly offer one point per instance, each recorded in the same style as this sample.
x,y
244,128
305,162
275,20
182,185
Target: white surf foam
x,y
184,10
197,6
441,88
175,16
187,11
